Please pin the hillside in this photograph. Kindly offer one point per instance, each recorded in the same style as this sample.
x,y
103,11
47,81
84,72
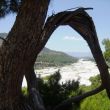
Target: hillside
x,y
49,57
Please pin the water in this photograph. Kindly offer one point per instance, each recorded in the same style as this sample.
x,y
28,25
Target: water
x,y
82,70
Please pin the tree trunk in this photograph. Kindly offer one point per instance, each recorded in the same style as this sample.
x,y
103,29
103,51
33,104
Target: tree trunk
x,y
18,53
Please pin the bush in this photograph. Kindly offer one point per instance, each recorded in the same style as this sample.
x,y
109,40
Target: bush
x,y
54,93
99,101
106,43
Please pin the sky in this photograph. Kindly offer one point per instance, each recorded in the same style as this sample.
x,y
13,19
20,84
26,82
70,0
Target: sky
x,y
64,38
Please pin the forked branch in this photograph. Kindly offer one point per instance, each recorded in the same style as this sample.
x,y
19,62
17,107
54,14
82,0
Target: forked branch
x,y
78,98
80,21
3,38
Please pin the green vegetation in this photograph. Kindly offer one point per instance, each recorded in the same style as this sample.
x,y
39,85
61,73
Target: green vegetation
x,y
96,102
106,43
54,93
52,89
99,101
49,58
24,91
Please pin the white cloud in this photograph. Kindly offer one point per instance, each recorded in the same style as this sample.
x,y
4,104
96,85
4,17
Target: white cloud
x,y
71,38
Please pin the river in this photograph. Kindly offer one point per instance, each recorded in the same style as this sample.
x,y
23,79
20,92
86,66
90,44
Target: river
x,y
82,70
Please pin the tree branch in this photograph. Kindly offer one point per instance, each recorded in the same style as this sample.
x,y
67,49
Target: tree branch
x,y
80,21
78,98
89,8
34,95
64,18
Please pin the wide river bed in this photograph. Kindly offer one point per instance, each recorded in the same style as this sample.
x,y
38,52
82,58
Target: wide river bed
x,y
82,70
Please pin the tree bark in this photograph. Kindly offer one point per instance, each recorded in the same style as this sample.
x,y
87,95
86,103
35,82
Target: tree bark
x,y
18,53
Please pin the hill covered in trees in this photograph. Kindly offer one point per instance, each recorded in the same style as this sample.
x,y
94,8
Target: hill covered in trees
x,y
49,57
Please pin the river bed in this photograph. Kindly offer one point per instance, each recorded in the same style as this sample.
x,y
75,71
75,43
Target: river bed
x,y
82,70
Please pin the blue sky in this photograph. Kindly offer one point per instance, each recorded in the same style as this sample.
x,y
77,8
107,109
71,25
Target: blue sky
x,y
66,39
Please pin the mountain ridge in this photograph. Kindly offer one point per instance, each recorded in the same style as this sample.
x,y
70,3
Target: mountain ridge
x,y
48,57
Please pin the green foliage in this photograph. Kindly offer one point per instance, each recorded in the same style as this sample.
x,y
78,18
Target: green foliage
x,y
24,91
106,43
96,102
54,93
107,55
99,101
96,81
56,59
7,6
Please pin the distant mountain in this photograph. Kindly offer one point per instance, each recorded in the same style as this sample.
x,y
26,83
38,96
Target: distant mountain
x,y
49,51
49,58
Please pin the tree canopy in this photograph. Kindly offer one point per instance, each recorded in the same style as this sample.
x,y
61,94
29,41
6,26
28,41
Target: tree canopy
x,y
8,6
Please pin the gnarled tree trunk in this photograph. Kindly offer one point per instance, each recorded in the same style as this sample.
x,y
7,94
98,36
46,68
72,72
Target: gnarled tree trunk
x,y
18,53
24,42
